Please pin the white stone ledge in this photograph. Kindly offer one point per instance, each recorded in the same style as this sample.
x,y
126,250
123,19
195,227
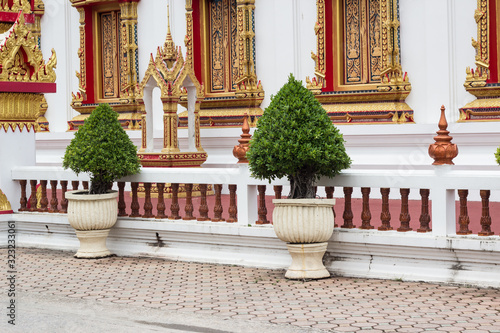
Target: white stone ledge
x,y
411,256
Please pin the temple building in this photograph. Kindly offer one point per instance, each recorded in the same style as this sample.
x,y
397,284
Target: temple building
x,y
381,69
185,76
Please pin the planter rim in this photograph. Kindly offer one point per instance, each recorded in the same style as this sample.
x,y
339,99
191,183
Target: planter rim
x,y
304,202
74,195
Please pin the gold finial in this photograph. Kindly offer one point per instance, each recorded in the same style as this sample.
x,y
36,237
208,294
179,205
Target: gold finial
x,y
168,19
169,56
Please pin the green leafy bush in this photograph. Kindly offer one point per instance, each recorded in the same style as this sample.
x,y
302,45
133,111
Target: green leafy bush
x,y
296,138
103,149
497,155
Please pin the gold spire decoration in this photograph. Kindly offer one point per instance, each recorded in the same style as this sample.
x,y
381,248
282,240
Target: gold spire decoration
x,y
169,56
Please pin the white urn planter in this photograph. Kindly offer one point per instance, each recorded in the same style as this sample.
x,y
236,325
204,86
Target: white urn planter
x,y
305,225
92,216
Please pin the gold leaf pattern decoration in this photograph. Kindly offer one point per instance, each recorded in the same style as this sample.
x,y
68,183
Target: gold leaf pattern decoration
x,y
375,46
363,41
109,54
352,41
224,62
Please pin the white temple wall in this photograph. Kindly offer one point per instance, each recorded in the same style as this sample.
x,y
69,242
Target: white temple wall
x,y
435,51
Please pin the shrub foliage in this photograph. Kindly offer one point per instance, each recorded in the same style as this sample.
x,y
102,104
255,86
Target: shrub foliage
x,y
103,149
296,138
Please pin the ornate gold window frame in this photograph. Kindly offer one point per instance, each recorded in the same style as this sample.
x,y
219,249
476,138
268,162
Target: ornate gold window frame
x,y
224,109
481,81
382,102
90,75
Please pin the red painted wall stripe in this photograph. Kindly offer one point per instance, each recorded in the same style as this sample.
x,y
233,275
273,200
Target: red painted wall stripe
x,y
89,55
493,56
329,60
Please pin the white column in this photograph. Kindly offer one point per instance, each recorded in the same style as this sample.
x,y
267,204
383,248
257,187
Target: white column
x,y
16,149
246,198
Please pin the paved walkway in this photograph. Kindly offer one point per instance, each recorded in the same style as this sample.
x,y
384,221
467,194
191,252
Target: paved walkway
x,y
258,299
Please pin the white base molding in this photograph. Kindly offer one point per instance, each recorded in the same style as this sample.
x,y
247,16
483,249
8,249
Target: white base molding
x,y
307,261
92,244
409,256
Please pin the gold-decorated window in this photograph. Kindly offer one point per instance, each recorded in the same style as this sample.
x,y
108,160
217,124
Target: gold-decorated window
x,y
358,74
220,46
108,60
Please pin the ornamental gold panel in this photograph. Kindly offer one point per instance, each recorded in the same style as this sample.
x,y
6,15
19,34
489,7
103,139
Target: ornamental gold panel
x,y
21,110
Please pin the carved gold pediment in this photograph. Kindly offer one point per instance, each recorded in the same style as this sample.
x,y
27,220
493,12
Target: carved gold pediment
x,y
20,58
169,70
24,77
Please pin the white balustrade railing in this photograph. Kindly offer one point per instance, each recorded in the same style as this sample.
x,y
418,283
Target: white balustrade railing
x,y
442,181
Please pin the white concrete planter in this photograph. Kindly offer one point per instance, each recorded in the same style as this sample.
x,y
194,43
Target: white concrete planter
x,y
92,216
306,225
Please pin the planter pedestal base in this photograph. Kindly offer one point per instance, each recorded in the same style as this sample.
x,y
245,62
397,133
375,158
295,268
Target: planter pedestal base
x,y
92,244
307,261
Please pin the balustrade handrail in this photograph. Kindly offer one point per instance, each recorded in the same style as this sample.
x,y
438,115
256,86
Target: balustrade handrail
x,y
440,185
443,177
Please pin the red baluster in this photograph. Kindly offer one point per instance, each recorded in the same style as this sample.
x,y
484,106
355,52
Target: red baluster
x,y
385,215
174,206
188,209
160,206
463,219
218,203
135,200
53,201
262,210
485,215
64,201
148,206
122,206
425,218
24,200
85,185
233,210
404,217
33,201
348,215
366,216
75,184
203,210
277,191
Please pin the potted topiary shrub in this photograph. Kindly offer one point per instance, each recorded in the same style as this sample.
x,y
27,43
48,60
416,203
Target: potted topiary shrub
x,y
296,139
103,149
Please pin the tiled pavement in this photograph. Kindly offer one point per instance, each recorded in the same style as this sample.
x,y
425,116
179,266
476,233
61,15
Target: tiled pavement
x,y
232,292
